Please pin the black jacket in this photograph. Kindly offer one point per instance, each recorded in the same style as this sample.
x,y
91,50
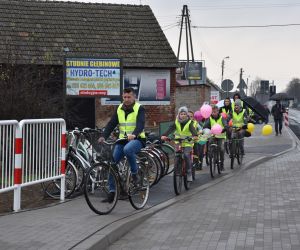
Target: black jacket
x,y
277,111
114,121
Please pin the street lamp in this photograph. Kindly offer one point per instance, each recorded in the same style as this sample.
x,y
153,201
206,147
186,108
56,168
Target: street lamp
x,y
223,64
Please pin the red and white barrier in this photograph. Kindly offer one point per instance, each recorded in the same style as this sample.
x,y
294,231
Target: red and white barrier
x,y
286,118
7,151
31,152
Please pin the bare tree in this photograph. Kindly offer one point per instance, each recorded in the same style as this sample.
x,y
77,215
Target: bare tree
x,y
254,87
293,89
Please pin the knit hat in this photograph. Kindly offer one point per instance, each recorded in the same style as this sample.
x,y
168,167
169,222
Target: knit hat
x,y
238,103
182,109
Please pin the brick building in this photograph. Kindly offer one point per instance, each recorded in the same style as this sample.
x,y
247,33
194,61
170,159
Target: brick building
x,y
44,32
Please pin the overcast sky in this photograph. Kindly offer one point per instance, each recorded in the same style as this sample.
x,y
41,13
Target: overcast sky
x,y
271,53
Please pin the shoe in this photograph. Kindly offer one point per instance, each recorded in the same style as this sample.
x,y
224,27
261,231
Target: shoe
x,y
279,132
136,179
222,166
189,178
110,197
276,134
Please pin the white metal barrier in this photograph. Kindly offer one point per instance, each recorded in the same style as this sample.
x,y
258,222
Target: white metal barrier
x,y
31,152
39,154
7,159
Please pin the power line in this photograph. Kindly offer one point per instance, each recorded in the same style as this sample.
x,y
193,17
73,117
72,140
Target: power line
x,y
249,6
246,26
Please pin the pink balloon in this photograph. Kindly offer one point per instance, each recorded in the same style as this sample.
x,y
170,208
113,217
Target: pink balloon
x,y
198,116
216,129
224,115
206,110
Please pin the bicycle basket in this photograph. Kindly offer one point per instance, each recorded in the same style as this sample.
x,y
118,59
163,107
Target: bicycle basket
x,y
105,152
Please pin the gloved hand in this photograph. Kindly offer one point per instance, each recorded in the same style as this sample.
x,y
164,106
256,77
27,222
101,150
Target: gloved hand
x,y
223,130
245,126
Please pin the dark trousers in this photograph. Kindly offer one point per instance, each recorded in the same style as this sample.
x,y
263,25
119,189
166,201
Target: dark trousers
x,y
278,124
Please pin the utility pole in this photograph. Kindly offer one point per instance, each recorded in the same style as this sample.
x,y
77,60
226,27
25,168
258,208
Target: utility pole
x,y
185,19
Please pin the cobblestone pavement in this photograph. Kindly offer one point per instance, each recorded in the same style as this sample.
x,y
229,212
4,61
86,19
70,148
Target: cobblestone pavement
x,y
259,208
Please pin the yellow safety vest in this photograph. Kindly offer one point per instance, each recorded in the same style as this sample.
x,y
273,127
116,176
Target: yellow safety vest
x,y
238,119
224,111
185,132
219,121
127,125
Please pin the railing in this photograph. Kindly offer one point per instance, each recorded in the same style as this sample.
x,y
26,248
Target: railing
x,y
7,159
32,151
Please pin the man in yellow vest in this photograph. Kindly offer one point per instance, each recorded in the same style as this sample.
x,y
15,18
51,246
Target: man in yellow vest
x,y
216,118
130,116
183,127
240,119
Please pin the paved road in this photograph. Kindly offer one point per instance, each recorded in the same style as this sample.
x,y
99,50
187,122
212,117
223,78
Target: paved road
x,y
71,224
258,208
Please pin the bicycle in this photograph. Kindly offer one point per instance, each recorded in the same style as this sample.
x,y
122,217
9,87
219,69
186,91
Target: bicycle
x,y
213,153
235,147
180,172
98,177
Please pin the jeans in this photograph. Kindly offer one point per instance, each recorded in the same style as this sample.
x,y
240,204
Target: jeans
x,y
187,155
220,143
278,124
129,150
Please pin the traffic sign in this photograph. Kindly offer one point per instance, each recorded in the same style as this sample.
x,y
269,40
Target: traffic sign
x,y
227,85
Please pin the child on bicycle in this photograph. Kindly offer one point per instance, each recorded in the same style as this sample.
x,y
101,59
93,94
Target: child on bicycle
x,y
240,119
183,127
216,118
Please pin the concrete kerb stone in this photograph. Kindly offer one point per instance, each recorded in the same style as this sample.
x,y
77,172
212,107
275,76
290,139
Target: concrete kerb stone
x,y
104,237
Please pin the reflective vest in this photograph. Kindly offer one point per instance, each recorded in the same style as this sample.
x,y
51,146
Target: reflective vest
x,y
224,111
127,125
185,132
220,122
238,119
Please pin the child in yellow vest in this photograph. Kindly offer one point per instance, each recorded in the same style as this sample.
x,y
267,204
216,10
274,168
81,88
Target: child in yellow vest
x,y
216,118
183,127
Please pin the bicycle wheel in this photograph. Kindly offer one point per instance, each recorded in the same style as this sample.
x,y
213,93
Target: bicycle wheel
x,y
150,165
138,195
226,146
194,166
187,184
170,154
239,155
96,188
52,188
232,153
217,157
212,163
177,175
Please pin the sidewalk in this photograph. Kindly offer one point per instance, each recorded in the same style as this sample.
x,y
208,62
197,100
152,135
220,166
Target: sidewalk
x,y
72,225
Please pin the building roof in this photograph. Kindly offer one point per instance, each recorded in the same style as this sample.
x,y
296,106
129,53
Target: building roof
x,y
33,31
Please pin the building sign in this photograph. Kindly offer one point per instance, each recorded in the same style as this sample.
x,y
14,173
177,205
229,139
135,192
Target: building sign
x,y
151,87
193,70
93,77
214,97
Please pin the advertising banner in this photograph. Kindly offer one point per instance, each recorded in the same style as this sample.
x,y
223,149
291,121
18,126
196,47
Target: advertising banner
x,y
152,87
214,97
92,77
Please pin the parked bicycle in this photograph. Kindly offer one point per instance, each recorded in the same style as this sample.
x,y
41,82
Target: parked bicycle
x,y
105,172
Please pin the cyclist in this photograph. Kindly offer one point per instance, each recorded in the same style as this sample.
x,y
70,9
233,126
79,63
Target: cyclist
x,y
216,118
183,127
237,96
130,116
239,119
227,108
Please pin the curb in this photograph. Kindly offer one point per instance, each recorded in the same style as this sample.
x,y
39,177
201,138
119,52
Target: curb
x,y
107,235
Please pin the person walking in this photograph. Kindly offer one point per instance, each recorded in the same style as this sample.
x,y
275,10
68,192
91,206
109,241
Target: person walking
x,y
130,116
277,112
